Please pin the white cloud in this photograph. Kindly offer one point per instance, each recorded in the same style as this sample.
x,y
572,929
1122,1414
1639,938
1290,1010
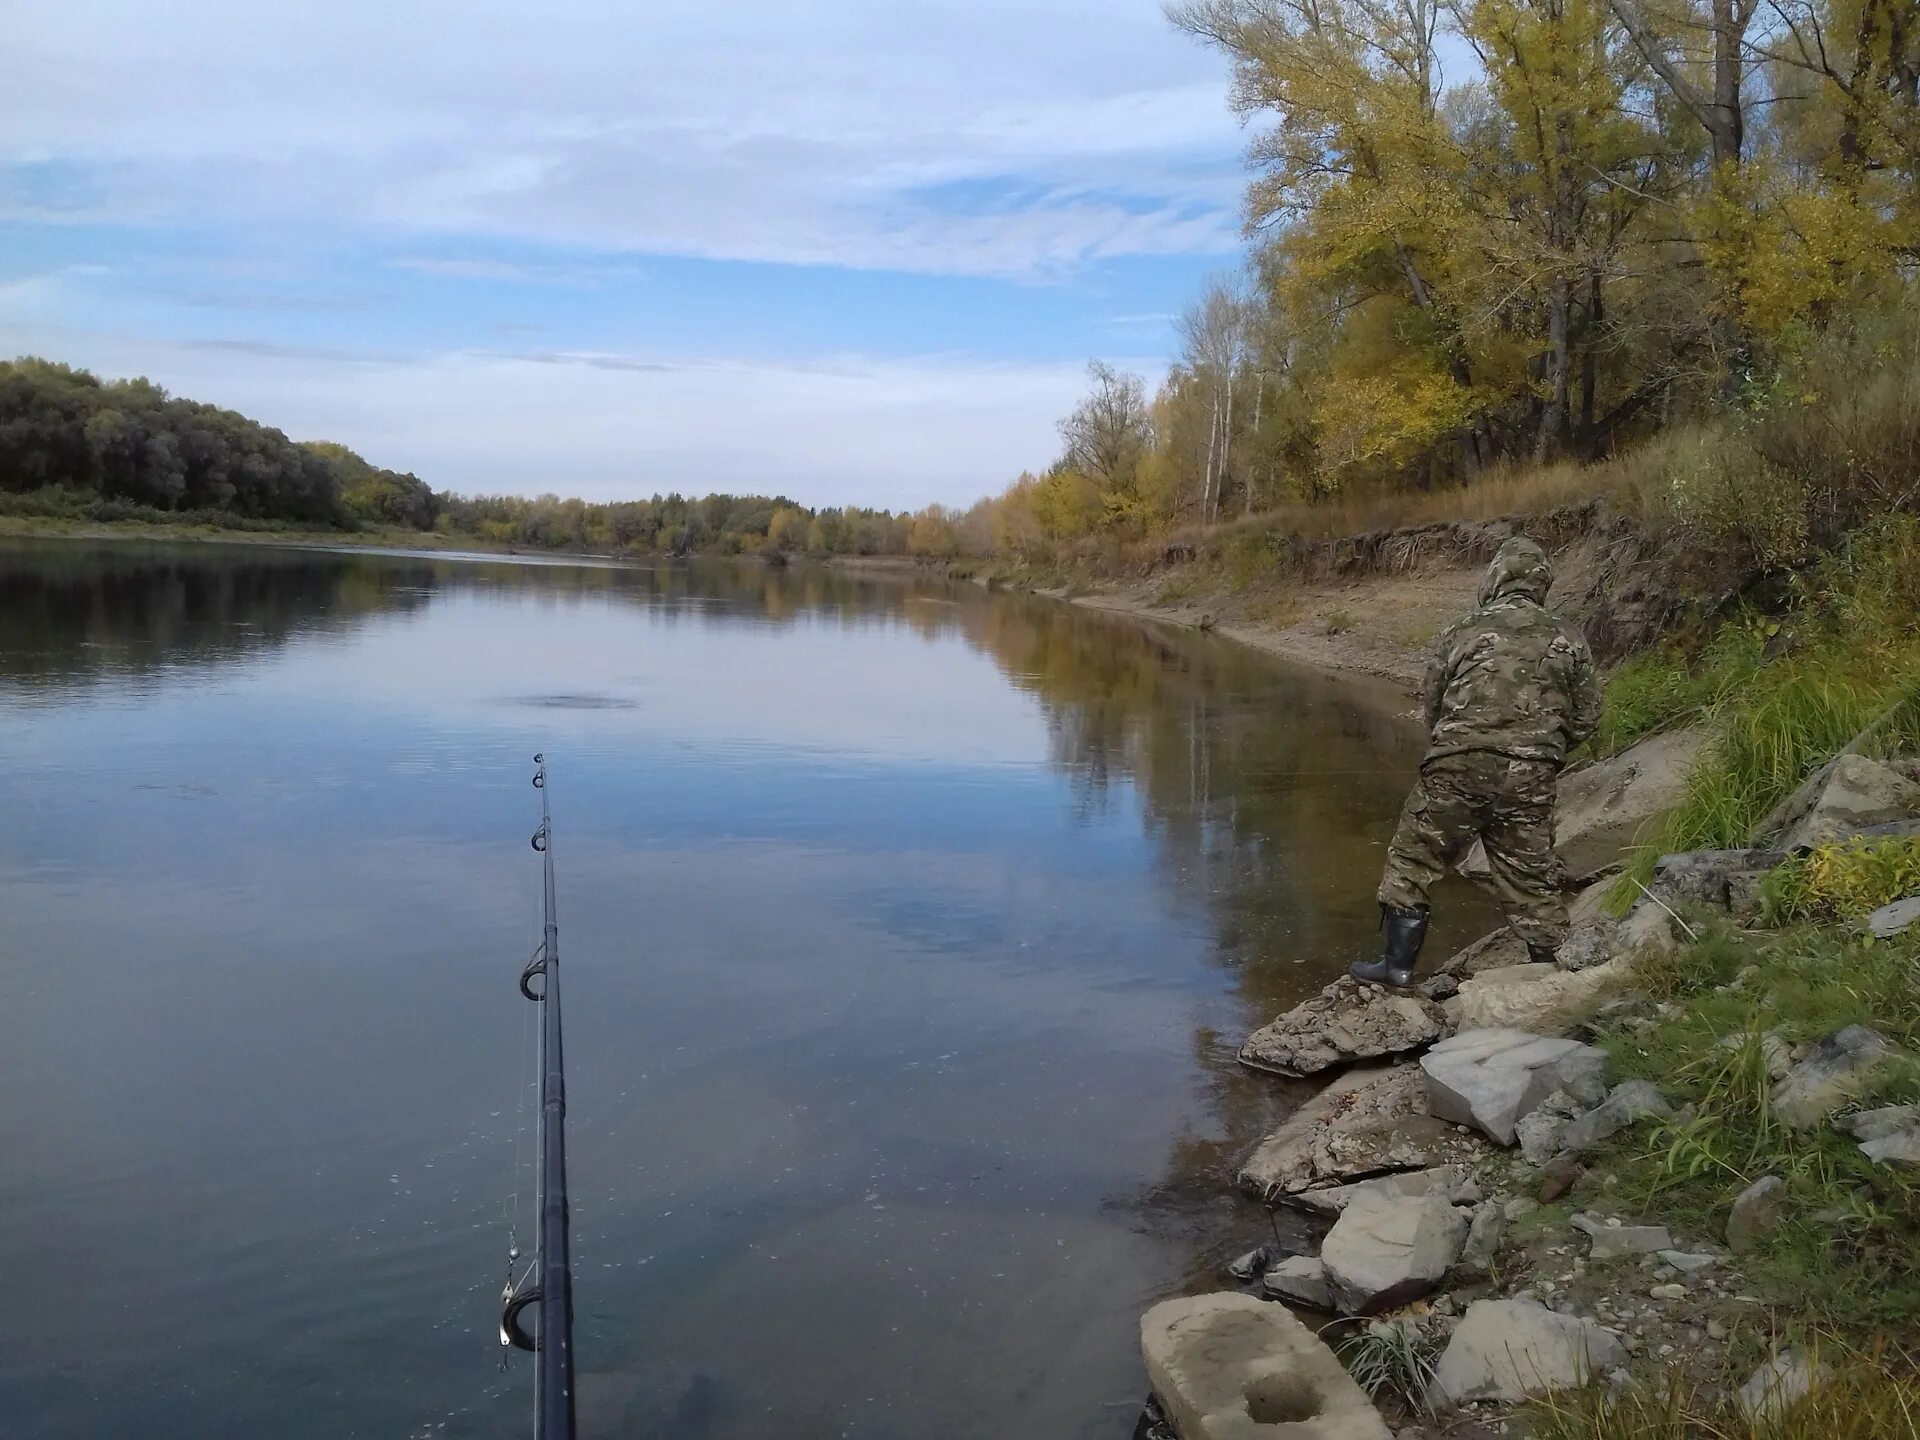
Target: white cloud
x,y
754,130
843,430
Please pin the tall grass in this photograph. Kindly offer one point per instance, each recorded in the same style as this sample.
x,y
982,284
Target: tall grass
x,y
1847,662
1862,1395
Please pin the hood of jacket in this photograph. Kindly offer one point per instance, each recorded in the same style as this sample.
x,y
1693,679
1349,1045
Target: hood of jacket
x,y
1520,568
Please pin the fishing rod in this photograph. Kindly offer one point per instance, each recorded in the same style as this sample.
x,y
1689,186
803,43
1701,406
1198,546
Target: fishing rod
x,y
548,1282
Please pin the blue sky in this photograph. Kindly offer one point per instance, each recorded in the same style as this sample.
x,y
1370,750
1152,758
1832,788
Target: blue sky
x,y
858,250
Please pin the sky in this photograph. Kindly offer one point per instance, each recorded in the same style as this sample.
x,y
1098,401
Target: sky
x,y
853,251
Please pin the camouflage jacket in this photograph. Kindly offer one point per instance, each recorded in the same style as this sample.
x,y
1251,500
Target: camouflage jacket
x,y
1511,678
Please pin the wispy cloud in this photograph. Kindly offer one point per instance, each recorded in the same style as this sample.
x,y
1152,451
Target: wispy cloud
x,y
753,131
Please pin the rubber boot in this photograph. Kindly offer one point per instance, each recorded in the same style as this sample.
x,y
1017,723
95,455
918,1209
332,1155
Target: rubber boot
x,y
1406,933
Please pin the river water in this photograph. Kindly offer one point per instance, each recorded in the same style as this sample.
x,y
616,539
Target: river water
x,y
909,931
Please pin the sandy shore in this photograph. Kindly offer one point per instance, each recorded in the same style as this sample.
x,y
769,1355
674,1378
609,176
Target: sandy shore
x,y
1382,625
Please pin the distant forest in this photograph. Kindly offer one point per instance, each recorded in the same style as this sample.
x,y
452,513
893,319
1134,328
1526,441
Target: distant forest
x,y
72,444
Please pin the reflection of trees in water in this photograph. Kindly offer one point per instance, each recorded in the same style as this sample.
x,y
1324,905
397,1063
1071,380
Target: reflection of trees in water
x,y
74,613
1268,792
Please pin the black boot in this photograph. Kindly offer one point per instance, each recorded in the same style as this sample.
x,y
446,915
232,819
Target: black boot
x,y
1406,933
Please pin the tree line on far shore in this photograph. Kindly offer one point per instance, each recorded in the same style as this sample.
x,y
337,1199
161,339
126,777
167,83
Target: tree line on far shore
x,y
74,444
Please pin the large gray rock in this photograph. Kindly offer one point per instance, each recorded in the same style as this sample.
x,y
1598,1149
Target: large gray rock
x,y
1491,1078
1366,1123
1380,1256
1510,1349
1451,1182
1232,1367
1833,1072
1543,999
1345,1022
1756,1211
1300,1280
1855,793
1609,807
1630,1101
1895,919
1777,1386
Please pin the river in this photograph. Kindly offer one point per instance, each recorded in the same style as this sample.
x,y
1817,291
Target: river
x,y
909,931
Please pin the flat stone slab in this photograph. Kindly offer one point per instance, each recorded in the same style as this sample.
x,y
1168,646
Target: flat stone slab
x,y
1300,1280
1381,1256
1492,1078
1367,1123
1232,1367
1616,1241
1450,1181
1510,1349
1854,794
1344,1023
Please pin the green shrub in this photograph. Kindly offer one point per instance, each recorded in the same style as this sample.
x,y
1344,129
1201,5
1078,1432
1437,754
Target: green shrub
x,y
1843,881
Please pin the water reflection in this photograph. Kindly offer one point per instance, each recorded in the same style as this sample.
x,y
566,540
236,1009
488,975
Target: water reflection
x,y
921,924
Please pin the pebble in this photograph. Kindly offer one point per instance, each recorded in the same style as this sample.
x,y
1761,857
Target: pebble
x,y
1668,1292
1715,1330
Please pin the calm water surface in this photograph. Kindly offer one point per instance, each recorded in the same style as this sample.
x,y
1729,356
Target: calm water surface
x,y
909,933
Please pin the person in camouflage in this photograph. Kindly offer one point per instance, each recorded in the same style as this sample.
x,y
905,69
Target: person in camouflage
x,y
1509,691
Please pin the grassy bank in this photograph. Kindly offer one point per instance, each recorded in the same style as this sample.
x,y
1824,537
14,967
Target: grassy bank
x,y
1839,1275
1833,661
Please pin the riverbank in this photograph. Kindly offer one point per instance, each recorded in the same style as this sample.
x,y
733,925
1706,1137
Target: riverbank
x,y
1664,1188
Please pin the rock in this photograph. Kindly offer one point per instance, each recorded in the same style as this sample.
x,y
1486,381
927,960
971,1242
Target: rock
x,y
1688,1263
1775,1386
1558,1176
1366,1123
1901,1147
1608,807
1668,1292
1450,1181
1631,1101
1649,929
1345,1022
1834,1071
1231,1367
1510,1349
1615,1241
1300,1280
1708,877
1755,1212
1500,950
1485,1235
1543,999
1491,1078
1878,1124
1380,1256
1250,1266
1852,793
1895,919
1539,1132
1592,903
1773,1048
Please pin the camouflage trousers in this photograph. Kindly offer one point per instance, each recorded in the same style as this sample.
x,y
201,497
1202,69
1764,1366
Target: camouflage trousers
x,y
1507,805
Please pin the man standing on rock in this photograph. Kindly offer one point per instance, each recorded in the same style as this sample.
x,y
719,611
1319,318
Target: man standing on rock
x,y
1509,691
